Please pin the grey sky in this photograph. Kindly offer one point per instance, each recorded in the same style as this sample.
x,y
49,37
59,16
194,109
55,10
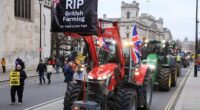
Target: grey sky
x,y
178,15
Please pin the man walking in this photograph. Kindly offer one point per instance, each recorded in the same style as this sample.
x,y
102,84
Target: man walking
x,y
41,69
68,72
18,88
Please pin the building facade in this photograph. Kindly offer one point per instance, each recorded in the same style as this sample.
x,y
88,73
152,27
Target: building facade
x,y
20,32
147,25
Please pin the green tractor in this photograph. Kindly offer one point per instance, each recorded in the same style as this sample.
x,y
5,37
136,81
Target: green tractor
x,y
161,60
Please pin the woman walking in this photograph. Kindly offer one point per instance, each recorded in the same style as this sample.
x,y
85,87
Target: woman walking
x,y
49,71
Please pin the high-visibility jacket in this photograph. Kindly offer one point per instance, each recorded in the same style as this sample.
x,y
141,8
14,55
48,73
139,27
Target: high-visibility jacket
x,y
178,58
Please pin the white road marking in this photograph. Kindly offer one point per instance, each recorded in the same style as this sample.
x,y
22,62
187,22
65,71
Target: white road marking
x,y
177,92
45,103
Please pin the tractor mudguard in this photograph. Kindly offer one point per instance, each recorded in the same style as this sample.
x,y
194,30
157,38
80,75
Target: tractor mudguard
x,y
139,78
152,62
166,66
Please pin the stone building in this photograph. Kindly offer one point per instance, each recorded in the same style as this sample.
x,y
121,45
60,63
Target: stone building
x,y
147,25
19,31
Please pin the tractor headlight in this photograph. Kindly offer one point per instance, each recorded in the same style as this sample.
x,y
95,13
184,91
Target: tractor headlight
x,y
137,72
102,78
90,77
152,67
163,45
75,108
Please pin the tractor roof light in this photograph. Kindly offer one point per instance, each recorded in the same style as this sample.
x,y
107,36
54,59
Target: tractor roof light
x,y
163,41
146,41
127,43
113,42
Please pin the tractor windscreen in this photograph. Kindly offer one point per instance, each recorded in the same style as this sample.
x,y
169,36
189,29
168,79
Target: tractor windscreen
x,y
107,52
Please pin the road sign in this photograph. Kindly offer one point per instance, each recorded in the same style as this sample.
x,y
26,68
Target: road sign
x,y
14,78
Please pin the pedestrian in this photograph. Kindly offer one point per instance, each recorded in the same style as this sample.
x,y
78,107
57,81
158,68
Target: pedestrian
x,y
41,69
68,72
53,62
78,75
57,65
20,62
19,88
3,63
49,71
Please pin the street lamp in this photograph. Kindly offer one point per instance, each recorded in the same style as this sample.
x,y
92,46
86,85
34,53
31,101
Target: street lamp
x,y
40,49
196,40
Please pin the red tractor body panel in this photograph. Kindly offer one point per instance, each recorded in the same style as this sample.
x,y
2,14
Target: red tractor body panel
x,y
105,71
139,78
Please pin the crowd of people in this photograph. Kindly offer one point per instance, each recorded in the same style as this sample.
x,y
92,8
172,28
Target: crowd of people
x,y
71,71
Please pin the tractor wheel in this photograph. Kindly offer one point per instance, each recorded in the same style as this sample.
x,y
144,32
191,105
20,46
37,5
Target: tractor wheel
x,y
173,77
178,69
164,79
72,94
126,99
148,89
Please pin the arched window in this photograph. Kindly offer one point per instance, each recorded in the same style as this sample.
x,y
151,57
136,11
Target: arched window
x,y
22,9
128,15
127,35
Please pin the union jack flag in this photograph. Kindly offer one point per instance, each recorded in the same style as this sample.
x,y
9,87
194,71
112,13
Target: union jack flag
x,y
136,47
102,43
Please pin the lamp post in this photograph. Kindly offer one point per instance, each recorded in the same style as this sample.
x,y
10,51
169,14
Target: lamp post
x,y
40,48
196,40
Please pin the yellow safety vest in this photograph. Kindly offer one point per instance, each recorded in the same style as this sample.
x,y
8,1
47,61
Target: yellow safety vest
x,y
178,58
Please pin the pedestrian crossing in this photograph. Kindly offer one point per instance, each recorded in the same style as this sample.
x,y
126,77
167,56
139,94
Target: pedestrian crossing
x,y
32,80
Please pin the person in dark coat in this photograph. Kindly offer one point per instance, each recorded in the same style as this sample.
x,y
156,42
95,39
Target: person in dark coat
x,y
68,72
41,69
20,88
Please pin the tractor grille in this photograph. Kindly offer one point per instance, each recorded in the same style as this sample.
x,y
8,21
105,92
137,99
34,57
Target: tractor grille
x,y
94,91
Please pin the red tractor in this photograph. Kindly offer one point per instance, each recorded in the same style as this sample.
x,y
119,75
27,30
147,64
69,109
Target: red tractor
x,y
114,82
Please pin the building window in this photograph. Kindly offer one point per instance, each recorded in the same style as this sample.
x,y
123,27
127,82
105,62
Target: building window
x,y
22,9
128,15
47,3
127,27
127,35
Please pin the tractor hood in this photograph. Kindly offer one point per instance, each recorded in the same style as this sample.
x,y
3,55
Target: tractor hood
x,y
103,71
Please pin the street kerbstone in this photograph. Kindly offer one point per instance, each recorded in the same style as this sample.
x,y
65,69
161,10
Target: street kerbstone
x,y
190,97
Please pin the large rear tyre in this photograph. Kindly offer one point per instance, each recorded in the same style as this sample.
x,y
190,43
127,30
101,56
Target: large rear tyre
x,y
164,79
148,90
126,99
72,94
173,77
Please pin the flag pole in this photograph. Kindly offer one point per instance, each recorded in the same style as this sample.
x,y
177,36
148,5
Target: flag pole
x,y
130,64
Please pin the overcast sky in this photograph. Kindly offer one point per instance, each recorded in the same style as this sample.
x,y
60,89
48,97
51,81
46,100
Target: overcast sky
x,y
178,15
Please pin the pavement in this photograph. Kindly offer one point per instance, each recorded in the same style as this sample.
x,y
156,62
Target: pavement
x,y
31,72
190,96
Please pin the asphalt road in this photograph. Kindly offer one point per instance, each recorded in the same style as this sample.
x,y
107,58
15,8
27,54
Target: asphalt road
x,y
161,99
34,94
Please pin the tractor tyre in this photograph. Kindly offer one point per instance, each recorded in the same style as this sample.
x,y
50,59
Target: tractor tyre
x,y
73,93
178,66
126,99
164,79
148,92
173,77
